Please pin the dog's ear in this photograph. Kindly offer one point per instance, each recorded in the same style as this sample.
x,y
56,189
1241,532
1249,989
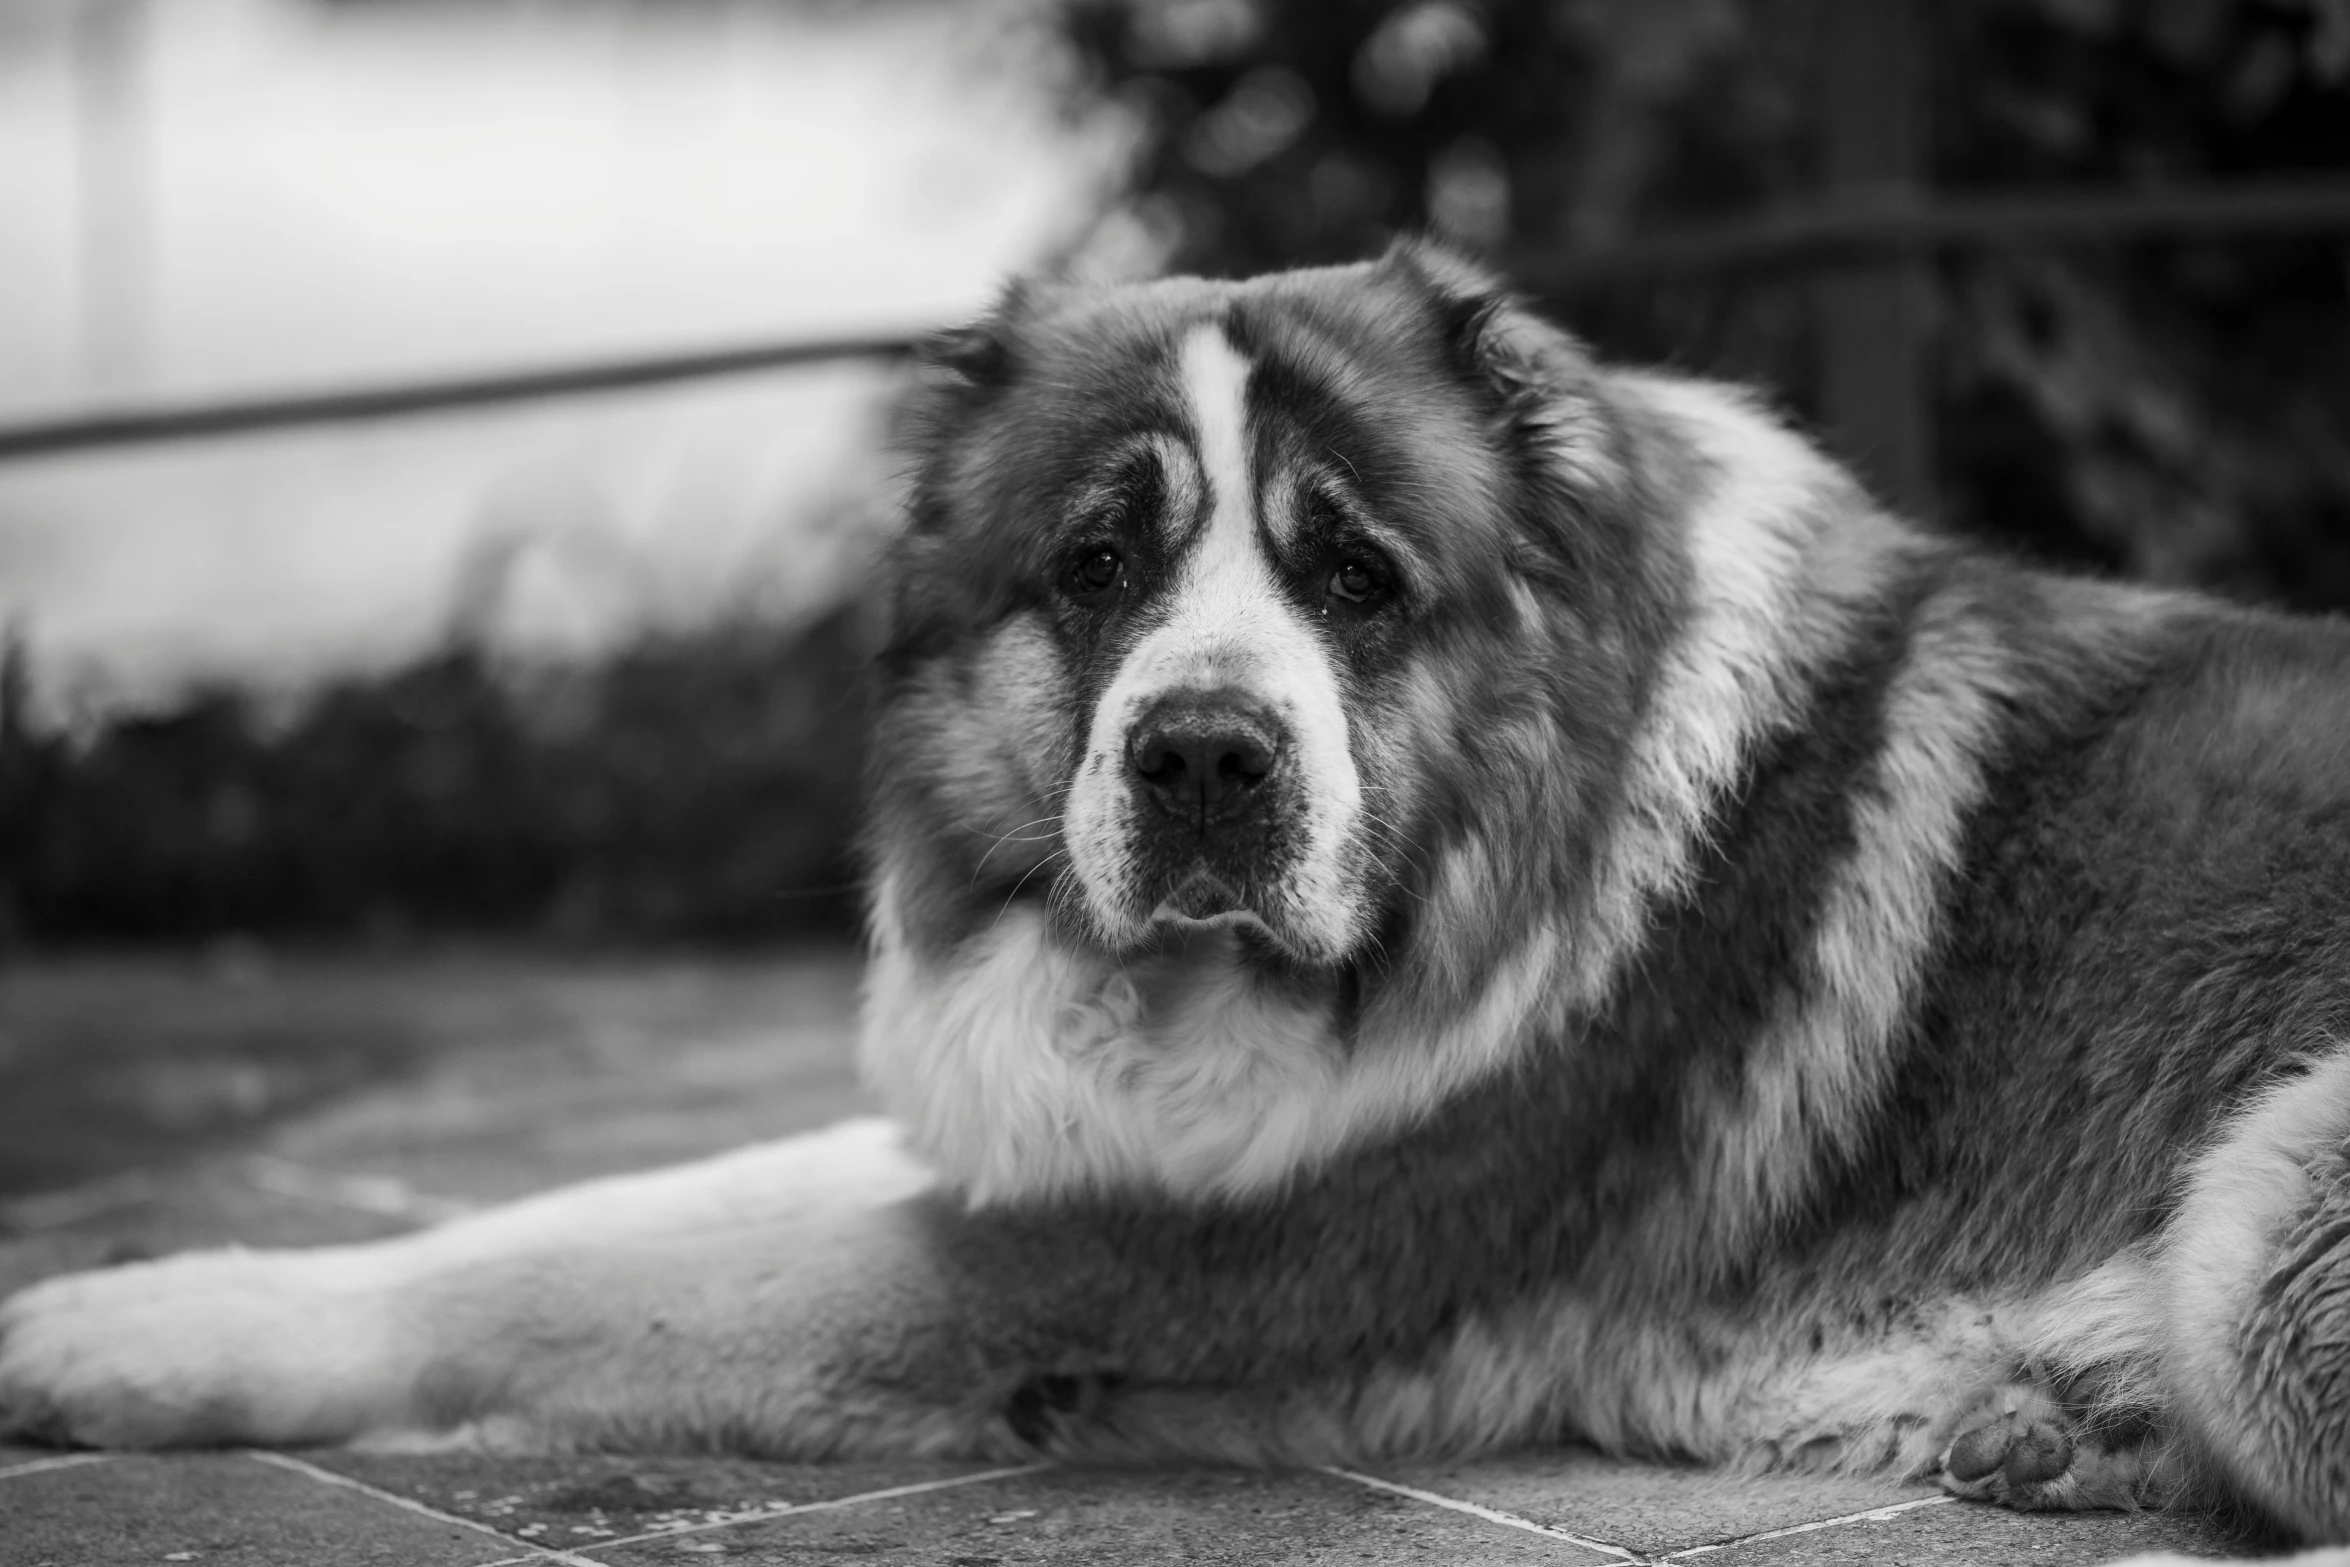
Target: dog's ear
x,y
974,356
977,357
1488,334
1462,296
1538,378
958,374
1544,392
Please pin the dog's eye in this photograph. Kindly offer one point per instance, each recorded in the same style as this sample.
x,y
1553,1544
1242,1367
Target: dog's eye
x,y
1096,570
1354,583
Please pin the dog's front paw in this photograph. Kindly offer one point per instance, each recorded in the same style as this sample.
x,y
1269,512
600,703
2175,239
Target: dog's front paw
x,y
206,1348
2016,1447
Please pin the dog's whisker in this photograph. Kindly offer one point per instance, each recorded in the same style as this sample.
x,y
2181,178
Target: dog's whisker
x,y
1016,835
1013,896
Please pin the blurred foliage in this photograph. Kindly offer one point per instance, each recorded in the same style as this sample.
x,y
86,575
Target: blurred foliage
x,y
693,787
2176,409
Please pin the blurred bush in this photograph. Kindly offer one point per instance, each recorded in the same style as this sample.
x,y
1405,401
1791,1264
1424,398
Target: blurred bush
x,y
692,787
2178,410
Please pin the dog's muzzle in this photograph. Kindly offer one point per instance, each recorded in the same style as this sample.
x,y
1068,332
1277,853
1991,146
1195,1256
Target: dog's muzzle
x,y
1206,770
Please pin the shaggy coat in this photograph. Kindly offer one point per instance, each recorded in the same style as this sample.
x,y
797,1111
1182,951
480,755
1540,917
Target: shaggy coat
x,y
1430,893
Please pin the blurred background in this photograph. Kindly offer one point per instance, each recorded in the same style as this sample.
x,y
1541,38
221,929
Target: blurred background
x,y
440,440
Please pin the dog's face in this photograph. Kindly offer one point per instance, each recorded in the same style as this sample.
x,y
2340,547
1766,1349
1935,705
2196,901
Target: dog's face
x,y
1218,595
1266,609
1303,693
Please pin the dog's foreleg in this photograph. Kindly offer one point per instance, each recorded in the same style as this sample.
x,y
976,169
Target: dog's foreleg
x,y
831,1334
410,1338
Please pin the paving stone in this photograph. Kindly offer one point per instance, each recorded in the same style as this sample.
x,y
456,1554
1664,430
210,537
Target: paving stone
x,y
1661,1509
573,1502
1971,1532
508,1077
629,1069
1063,1516
211,1206
1651,1508
493,1073
224,1508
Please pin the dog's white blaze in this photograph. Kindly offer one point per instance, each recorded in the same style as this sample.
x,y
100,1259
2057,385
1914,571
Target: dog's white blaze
x,y
1227,625
1215,388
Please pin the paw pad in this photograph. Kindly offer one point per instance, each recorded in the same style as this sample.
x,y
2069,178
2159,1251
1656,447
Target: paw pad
x,y
2013,1447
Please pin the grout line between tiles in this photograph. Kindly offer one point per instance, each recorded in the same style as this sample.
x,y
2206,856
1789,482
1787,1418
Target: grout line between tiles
x,y
410,1504
763,1514
1489,1514
1873,1515
42,1466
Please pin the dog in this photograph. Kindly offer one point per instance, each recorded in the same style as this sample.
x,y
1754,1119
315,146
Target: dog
x,y
1429,893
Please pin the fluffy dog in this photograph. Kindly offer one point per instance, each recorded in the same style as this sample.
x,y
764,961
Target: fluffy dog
x,y
1429,893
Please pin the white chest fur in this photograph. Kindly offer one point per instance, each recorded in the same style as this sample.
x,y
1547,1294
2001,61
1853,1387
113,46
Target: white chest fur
x,y
1029,1067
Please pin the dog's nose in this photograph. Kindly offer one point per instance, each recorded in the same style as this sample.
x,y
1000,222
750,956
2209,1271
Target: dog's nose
x,y
1204,757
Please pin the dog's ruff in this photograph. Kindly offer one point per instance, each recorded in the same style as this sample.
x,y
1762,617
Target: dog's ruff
x,y
1429,893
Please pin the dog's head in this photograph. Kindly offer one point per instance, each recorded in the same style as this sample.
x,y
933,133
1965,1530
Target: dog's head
x,y
1299,689
1235,606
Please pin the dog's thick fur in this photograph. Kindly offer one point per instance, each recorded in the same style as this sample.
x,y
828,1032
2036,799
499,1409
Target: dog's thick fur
x,y
1430,894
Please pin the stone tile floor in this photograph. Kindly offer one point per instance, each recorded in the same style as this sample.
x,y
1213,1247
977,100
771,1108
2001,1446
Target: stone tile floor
x,y
484,1078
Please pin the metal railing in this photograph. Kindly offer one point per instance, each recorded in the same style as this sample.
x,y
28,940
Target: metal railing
x,y
197,421
1867,231
1851,232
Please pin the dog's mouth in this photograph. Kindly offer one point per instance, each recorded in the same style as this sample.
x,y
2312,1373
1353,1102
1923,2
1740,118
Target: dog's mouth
x,y
1164,891
1201,899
